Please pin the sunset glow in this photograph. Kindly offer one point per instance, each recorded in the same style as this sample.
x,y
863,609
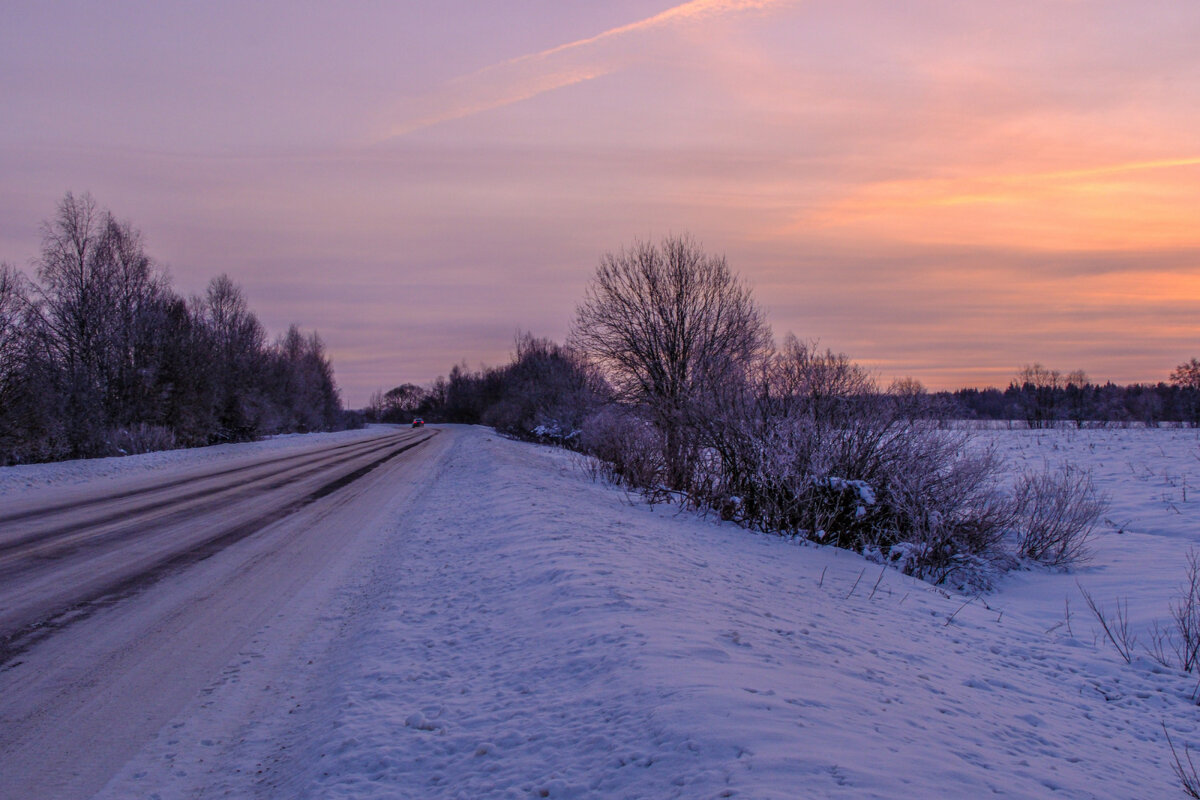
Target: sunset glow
x,y
940,189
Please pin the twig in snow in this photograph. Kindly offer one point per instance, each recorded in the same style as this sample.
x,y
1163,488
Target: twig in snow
x,y
877,581
855,586
960,608
821,582
1116,629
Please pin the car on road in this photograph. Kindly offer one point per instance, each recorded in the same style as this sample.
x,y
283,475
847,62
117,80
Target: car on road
x,y
418,423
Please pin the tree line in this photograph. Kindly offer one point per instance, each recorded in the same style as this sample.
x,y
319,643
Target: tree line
x,y
1044,398
545,393
100,356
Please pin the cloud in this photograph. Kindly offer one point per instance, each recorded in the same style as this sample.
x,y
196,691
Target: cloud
x,y
564,65
1125,205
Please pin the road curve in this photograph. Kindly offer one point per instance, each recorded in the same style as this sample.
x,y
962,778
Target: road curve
x,y
118,601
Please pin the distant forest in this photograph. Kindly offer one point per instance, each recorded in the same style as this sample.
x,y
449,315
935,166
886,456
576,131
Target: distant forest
x,y
99,356
525,397
1044,398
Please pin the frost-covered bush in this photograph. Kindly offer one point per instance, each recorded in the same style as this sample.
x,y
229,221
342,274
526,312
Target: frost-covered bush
x,y
815,449
628,445
141,438
1056,511
950,517
804,443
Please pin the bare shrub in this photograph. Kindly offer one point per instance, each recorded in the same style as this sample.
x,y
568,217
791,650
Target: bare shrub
x,y
628,444
1115,626
1056,512
141,438
951,519
1185,613
1189,778
1177,646
812,448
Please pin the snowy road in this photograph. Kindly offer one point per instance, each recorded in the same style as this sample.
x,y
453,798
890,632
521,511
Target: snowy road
x,y
120,598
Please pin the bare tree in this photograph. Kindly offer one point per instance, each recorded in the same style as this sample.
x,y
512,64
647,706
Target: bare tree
x,y
17,335
668,324
238,342
13,319
547,392
70,304
1187,375
94,273
400,403
99,356
1039,394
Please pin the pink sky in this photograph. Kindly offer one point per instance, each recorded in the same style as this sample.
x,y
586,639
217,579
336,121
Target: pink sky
x,y
941,189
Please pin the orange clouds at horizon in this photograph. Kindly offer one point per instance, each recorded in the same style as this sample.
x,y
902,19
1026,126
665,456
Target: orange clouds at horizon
x,y
1134,205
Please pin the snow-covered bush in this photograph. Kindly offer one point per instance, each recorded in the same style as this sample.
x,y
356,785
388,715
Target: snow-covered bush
x,y
1056,512
141,438
627,444
815,449
949,518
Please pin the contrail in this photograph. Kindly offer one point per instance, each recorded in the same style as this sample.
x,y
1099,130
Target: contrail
x,y
530,75
691,10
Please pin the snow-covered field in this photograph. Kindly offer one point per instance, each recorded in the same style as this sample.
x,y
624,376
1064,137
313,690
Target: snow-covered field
x,y
1151,478
527,632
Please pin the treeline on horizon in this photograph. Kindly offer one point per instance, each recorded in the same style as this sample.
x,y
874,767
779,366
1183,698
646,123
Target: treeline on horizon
x,y
544,393
525,397
100,356
1046,398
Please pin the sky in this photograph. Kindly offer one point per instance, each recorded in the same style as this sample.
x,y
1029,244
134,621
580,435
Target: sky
x,y
940,189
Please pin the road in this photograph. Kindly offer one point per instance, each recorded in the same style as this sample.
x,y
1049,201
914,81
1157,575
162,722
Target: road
x,y
120,600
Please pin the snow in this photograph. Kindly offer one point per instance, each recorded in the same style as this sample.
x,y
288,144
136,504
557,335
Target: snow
x,y
866,493
1139,551
19,479
527,632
